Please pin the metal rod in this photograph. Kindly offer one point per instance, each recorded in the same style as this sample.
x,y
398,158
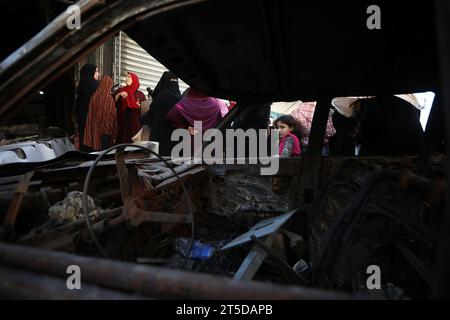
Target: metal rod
x,y
441,283
309,177
253,261
283,265
153,281
20,284
14,208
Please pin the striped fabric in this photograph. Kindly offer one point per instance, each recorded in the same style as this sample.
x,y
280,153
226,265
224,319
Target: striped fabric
x,y
304,113
102,119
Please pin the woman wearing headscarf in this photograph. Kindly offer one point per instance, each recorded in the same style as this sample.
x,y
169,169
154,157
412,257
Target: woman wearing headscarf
x,y
89,76
101,124
165,96
195,107
129,100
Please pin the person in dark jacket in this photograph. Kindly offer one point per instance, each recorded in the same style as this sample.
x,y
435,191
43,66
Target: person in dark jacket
x,y
388,125
256,116
342,142
89,77
165,96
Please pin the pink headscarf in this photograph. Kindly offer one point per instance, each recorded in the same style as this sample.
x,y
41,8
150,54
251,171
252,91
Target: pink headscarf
x,y
196,107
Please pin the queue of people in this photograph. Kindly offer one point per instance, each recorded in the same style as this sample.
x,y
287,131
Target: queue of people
x,y
105,118
366,126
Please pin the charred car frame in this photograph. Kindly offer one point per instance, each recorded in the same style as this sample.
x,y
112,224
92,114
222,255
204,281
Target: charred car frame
x,y
347,212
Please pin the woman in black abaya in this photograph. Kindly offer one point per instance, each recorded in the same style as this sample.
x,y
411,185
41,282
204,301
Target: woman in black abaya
x,y
89,77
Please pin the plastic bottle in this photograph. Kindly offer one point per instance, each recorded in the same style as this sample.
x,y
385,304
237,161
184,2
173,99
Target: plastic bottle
x,y
199,251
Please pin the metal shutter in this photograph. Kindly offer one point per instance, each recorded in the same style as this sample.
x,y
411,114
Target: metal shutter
x,y
130,57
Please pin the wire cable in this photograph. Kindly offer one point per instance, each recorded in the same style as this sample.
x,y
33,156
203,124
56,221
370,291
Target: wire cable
x,y
86,188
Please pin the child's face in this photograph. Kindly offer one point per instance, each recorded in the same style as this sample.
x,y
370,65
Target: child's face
x,y
283,128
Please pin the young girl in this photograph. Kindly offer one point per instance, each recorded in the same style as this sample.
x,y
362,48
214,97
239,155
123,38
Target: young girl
x,y
289,142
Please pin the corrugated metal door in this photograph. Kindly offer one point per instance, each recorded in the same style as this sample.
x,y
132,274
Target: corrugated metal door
x,y
130,57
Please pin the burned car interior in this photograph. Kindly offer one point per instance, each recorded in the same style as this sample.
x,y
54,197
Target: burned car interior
x,y
142,226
